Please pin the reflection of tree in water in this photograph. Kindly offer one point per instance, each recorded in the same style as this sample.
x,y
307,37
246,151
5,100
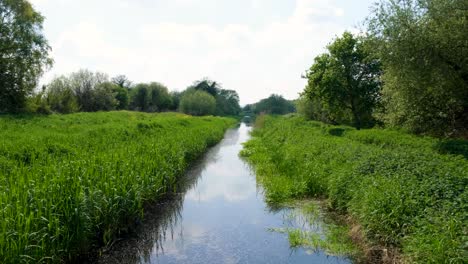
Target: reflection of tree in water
x,y
159,221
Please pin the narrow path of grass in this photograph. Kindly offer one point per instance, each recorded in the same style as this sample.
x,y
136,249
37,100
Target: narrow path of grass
x,y
69,183
401,189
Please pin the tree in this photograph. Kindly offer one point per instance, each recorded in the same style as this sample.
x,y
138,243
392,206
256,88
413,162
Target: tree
x,y
198,103
60,97
207,85
104,98
346,80
84,84
122,81
150,97
424,50
24,53
227,102
175,100
121,95
139,97
160,98
274,104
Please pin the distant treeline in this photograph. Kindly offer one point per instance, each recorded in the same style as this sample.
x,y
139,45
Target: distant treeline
x,y
409,70
86,91
274,105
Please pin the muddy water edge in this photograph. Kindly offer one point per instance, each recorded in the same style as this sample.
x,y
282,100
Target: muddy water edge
x,y
218,215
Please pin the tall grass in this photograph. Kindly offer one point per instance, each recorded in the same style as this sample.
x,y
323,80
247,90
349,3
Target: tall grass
x,y
400,188
72,182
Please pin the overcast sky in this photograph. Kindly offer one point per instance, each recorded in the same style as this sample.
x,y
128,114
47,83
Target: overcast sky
x,y
256,47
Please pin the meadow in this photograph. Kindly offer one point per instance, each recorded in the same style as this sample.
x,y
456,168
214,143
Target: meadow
x,y
72,183
404,191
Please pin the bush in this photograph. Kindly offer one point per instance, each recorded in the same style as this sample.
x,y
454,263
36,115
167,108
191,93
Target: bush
x,y
398,186
198,103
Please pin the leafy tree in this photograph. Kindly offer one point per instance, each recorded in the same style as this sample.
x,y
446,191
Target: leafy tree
x,y
275,104
346,80
104,98
175,100
197,103
423,47
139,97
150,97
122,81
60,97
84,84
313,109
121,95
24,53
160,98
227,102
207,85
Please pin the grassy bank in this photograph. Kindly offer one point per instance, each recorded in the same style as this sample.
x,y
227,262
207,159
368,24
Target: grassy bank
x,y
69,183
404,191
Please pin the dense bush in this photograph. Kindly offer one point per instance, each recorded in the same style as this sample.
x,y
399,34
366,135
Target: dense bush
x,y
274,104
399,187
423,47
197,103
69,183
151,97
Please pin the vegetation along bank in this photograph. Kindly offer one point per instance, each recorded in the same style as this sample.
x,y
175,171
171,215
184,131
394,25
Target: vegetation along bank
x,y
406,192
69,183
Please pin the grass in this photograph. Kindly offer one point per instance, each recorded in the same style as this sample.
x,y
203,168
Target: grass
x,y
405,191
70,183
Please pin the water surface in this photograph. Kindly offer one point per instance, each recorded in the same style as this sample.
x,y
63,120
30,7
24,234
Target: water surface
x,y
218,215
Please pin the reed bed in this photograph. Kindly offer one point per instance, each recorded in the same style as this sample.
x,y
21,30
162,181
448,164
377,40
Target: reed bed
x,y
71,183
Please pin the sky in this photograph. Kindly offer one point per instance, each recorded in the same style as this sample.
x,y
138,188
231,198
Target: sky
x,y
256,47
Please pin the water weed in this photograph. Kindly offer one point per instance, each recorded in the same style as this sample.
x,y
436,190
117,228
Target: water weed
x,y
69,183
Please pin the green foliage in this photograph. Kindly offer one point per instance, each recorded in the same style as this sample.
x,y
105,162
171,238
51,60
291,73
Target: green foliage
x,y
151,97
207,85
345,82
24,53
69,183
122,97
313,109
197,103
60,97
398,186
83,91
227,103
86,86
275,104
423,47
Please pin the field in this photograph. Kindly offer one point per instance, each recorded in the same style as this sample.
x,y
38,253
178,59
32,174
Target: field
x,y
406,192
69,183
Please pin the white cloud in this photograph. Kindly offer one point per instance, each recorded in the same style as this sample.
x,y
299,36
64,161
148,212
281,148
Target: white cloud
x,y
255,61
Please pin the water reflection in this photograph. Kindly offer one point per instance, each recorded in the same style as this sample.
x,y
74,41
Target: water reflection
x,y
218,216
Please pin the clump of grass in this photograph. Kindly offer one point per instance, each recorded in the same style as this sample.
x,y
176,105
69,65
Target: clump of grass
x,y
310,229
69,183
402,189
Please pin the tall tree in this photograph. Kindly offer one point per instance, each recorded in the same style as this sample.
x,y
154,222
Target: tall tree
x,y
208,86
423,45
346,80
24,53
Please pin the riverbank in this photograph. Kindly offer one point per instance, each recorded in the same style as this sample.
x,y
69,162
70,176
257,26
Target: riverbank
x,y
70,183
401,191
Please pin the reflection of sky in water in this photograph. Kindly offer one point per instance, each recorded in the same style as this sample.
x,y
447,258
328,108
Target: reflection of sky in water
x,y
222,219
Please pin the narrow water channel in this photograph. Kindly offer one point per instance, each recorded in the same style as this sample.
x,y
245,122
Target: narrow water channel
x,y
218,215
